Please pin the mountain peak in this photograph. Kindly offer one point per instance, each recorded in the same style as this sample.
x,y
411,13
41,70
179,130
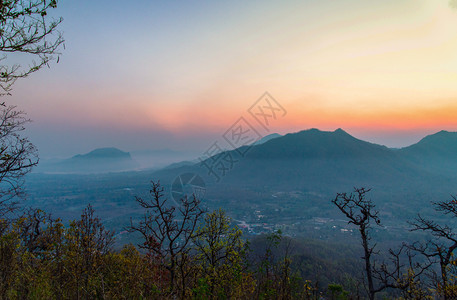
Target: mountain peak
x,y
440,135
314,143
440,144
316,130
339,130
103,153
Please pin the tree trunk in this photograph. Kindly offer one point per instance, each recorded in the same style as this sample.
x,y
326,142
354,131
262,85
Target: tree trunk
x,y
367,258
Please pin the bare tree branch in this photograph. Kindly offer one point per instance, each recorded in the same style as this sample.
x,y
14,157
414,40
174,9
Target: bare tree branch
x,y
167,230
26,29
17,156
441,247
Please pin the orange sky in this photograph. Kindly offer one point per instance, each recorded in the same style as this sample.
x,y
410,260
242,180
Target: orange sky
x,y
364,66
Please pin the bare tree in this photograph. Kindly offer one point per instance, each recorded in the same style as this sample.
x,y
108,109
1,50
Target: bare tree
x,y
27,33
167,230
403,272
360,211
17,156
441,246
394,273
26,28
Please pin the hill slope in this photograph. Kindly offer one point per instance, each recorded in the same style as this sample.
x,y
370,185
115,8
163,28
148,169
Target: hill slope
x,y
97,161
312,160
436,152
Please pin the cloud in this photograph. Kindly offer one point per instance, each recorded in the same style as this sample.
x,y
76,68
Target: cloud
x,y
453,4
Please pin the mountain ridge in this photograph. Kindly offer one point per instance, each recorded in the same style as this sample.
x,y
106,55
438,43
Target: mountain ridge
x,y
100,160
104,153
310,159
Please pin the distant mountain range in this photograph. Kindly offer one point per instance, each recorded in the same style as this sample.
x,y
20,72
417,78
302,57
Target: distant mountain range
x,y
290,176
441,144
437,152
267,138
317,160
100,160
309,159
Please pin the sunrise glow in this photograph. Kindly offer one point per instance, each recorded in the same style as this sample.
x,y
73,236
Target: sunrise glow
x,y
386,66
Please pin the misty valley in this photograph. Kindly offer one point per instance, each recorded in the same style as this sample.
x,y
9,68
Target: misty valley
x,y
268,150
284,184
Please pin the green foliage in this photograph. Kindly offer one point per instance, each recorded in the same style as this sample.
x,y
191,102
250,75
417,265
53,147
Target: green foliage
x,y
86,244
129,275
42,259
337,292
220,255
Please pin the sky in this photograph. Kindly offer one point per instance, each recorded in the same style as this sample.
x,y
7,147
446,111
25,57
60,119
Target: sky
x,y
167,74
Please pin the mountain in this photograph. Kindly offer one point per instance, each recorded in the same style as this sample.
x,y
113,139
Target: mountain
x,y
441,144
436,152
289,179
267,138
298,173
310,160
97,161
102,154
316,158
314,143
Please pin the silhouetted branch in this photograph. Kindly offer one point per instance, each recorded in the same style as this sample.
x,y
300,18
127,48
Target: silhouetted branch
x,y
26,28
442,247
167,230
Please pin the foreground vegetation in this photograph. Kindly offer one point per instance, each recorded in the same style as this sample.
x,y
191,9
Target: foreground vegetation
x,y
41,259
189,253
